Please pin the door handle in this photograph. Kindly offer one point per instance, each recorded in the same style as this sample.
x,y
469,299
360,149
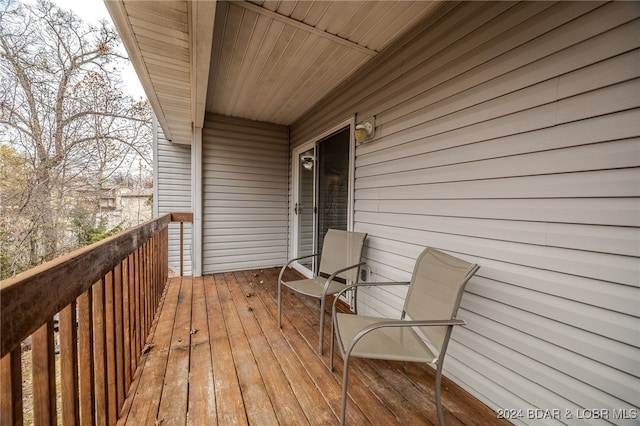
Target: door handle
x,y
296,209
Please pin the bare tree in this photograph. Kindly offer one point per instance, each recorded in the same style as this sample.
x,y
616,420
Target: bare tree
x,y
62,108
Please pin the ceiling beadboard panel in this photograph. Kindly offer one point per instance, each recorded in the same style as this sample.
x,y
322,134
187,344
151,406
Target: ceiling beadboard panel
x,y
272,61
269,61
370,24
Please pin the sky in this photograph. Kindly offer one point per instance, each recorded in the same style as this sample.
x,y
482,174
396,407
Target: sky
x,y
92,11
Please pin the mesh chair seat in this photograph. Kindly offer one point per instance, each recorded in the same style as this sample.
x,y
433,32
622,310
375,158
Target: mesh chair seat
x,y
390,343
314,287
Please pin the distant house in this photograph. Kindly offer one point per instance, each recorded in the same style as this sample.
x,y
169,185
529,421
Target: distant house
x,y
124,207
506,133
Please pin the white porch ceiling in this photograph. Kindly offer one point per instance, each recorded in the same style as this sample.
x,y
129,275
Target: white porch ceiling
x,y
261,60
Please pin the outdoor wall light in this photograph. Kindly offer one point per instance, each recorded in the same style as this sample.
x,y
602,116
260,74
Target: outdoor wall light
x,y
365,131
307,161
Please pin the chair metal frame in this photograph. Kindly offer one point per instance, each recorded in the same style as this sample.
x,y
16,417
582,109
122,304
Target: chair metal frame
x,y
379,323
327,284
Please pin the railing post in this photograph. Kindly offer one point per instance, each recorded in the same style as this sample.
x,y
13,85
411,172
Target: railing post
x,y
182,218
181,248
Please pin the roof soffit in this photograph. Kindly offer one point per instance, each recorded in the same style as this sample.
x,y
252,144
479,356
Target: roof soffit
x,y
169,44
258,60
273,61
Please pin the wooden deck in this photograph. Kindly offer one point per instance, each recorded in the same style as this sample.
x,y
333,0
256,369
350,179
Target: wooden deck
x,y
216,356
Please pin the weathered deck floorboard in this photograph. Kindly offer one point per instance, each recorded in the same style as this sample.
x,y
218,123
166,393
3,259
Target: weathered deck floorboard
x,y
216,356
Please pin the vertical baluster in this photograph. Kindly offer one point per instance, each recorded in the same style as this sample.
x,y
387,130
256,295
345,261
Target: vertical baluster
x,y
165,255
138,305
110,350
126,324
44,375
158,272
99,352
143,294
150,283
149,288
133,320
86,358
156,277
69,365
152,292
119,337
11,388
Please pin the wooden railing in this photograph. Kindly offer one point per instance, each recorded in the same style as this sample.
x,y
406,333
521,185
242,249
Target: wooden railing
x,y
103,299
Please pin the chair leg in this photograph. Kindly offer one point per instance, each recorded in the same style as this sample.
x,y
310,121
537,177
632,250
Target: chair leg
x,y
345,383
321,346
279,304
332,339
331,350
438,400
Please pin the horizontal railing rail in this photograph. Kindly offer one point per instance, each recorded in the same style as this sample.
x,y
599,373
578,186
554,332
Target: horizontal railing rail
x,y
91,309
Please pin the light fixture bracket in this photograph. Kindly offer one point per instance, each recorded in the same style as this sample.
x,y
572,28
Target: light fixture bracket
x,y
365,131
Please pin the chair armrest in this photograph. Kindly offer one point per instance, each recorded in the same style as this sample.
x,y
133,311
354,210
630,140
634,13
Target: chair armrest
x,y
336,273
411,323
284,268
402,323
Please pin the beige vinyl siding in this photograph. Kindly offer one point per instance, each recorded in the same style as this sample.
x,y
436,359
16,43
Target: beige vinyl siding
x,y
173,193
245,172
508,134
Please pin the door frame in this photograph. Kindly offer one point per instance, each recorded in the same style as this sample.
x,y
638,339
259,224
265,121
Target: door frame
x,y
295,168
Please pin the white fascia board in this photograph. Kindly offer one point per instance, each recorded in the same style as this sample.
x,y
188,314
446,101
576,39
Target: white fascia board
x,y
202,18
121,21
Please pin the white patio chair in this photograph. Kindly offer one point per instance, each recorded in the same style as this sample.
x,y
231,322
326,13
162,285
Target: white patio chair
x,y
425,325
340,258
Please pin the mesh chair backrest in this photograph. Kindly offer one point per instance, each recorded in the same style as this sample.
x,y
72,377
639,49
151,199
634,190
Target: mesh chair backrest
x,y
339,250
436,289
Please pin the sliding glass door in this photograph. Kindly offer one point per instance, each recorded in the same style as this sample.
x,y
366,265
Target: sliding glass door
x,y
322,192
